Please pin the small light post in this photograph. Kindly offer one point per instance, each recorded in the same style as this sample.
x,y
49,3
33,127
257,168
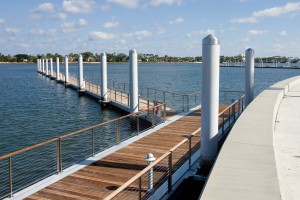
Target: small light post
x,y
150,159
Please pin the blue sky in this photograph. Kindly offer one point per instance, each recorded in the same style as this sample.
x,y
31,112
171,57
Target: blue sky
x,y
172,27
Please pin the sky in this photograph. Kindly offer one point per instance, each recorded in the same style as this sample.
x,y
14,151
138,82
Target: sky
x,y
162,27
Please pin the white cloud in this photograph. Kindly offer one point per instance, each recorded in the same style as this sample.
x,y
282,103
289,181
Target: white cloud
x,y
108,25
244,39
60,16
50,32
25,45
289,8
176,21
256,32
139,34
72,27
98,35
82,22
168,2
78,6
12,30
282,33
2,21
201,32
44,7
125,3
37,12
160,30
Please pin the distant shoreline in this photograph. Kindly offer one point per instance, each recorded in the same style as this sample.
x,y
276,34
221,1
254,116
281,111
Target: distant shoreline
x,y
272,67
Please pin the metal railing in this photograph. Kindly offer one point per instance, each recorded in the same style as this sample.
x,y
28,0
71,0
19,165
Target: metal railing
x,y
25,167
168,168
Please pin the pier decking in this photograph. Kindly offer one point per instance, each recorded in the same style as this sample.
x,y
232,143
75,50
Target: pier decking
x,y
115,171
101,178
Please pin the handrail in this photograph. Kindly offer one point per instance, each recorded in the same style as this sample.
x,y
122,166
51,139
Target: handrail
x,y
28,148
145,170
138,175
72,133
231,105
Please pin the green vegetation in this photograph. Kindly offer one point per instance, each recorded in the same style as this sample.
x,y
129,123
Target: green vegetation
x,y
121,57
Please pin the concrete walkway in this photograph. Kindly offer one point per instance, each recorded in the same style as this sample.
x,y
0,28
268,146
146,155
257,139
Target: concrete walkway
x,y
260,158
287,144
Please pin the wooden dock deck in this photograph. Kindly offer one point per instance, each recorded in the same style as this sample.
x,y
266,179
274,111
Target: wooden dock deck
x,y
116,96
101,178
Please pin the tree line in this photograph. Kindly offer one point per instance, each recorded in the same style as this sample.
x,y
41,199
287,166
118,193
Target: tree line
x,y
121,57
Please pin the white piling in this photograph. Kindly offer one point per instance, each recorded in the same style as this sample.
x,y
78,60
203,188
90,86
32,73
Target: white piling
x,y
150,159
38,65
210,99
43,65
66,71
249,76
133,78
81,86
51,68
47,67
57,68
103,77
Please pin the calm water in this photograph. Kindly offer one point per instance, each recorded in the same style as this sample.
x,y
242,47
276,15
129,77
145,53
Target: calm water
x,y
34,109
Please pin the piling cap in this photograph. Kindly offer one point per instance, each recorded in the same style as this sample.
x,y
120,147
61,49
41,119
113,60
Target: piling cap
x,y
211,40
150,157
132,51
103,54
250,51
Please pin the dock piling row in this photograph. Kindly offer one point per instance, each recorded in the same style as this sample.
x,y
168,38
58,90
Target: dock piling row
x,y
249,76
103,78
66,71
133,79
57,69
210,99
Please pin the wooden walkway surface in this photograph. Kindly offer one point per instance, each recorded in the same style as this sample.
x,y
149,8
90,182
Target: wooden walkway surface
x,y
101,178
113,95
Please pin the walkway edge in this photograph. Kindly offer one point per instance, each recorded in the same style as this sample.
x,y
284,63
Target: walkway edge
x,y
246,165
54,178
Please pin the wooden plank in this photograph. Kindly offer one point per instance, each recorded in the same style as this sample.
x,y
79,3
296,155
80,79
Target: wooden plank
x,y
101,178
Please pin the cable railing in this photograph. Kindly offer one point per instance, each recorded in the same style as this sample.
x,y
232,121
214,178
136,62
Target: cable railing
x,y
25,167
160,177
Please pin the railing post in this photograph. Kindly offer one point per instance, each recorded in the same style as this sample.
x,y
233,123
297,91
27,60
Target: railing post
x,y
223,123
121,97
182,102
116,95
229,117
128,103
165,111
118,132
239,106
234,112
190,151
170,172
140,188
148,102
153,117
93,142
242,104
58,156
173,100
137,123
10,176
188,102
